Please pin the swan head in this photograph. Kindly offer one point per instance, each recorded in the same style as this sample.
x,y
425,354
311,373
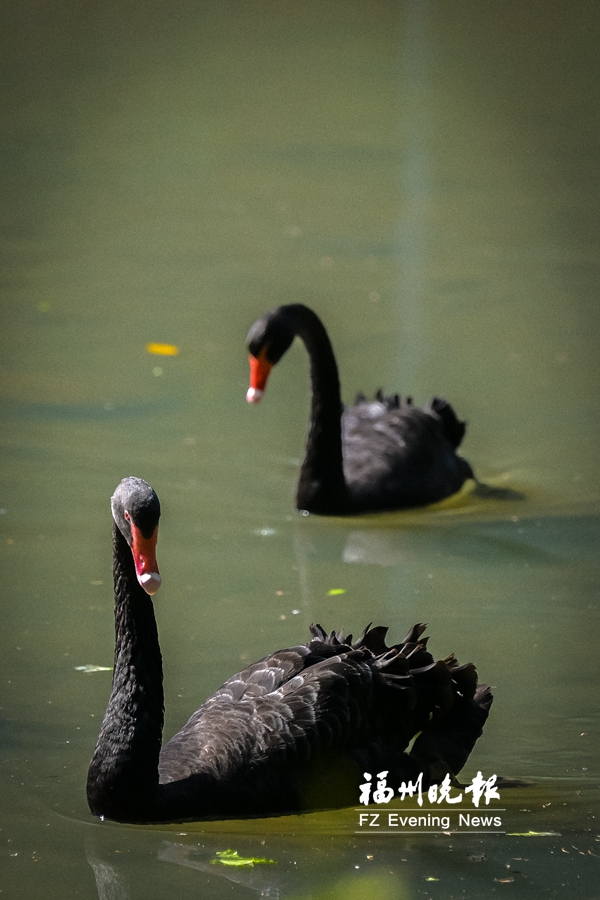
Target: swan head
x,y
136,511
267,341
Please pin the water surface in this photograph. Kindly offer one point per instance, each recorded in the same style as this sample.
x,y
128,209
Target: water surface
x,y
425,176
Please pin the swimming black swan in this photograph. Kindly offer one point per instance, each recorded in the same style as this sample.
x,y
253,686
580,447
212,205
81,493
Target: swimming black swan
x,y
293,732
377,455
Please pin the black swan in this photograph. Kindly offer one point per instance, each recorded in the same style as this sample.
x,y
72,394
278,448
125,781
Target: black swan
x,y
293,732
378,455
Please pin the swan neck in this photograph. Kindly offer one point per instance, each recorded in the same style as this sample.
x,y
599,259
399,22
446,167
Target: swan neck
x,y
322,473
123,775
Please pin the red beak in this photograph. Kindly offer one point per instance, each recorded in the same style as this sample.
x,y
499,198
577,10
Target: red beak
x,y
260,368
144,557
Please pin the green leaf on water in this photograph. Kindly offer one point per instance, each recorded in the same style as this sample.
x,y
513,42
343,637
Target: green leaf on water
x,y
333,592
232,858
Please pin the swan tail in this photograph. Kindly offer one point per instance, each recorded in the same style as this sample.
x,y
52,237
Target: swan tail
x,y
464,677
449,707
453,428
440,701
445,745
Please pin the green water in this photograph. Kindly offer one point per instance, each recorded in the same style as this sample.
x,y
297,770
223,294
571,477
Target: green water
x,y
425,176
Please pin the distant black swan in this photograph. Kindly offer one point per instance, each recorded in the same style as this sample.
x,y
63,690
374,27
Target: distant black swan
x,y
377,455
292,732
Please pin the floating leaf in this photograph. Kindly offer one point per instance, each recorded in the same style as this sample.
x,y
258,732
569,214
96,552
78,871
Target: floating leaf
x,y
90,668
431,878
232,858
162,349
333,592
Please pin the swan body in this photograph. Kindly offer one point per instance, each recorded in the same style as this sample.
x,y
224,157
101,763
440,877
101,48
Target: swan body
x,y
377,455
292,732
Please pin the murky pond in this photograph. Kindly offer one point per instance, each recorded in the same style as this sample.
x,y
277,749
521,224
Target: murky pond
x,y
425,176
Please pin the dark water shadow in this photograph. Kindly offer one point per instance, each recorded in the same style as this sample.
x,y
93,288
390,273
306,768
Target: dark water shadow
x,y
549,841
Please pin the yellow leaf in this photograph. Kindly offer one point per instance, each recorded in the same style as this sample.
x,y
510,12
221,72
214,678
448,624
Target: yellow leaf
x,y
162,349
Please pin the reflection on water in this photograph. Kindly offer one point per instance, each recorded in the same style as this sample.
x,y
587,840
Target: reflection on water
x,y
423,175
307,857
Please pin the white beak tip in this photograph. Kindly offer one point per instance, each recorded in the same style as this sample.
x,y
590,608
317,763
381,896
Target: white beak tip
x,y
254,395
150,581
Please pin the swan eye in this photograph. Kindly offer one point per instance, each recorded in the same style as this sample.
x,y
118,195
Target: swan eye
x,y
126,516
